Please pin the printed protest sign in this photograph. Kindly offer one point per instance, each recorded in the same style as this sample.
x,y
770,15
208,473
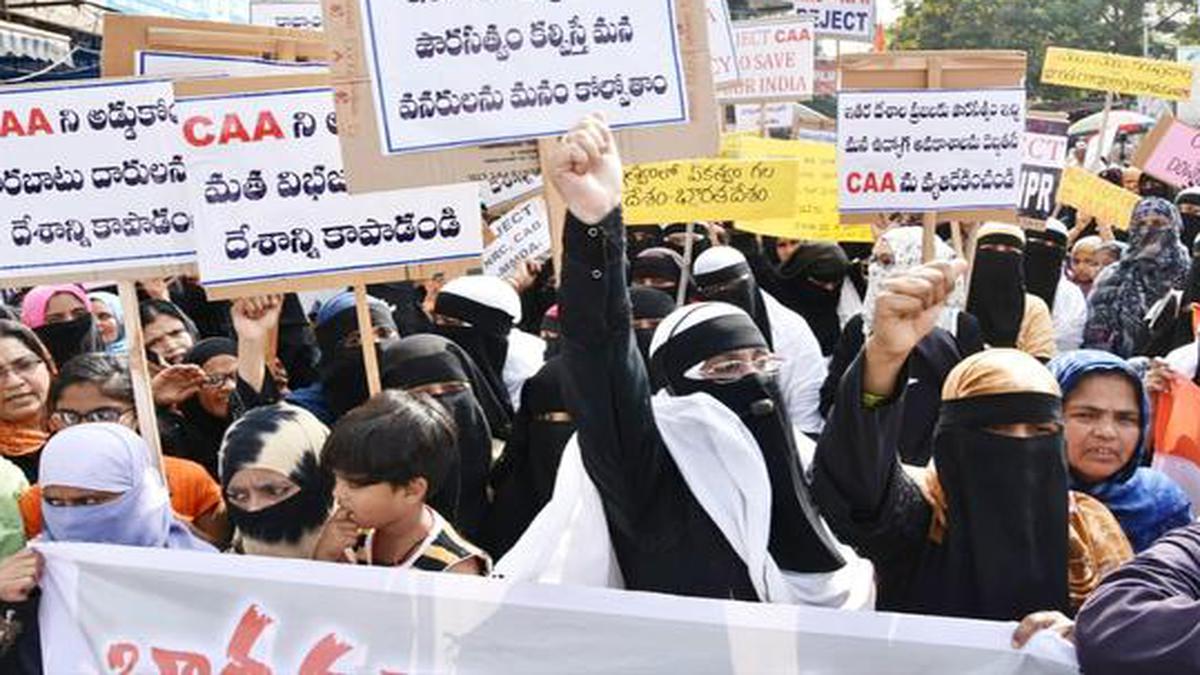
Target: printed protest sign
x,y
776,61
303,15
1171,153
93,182
816,214
841,19
929,150
449,75
170,64
708,189
720,40
271,199
1117,73
522,234
1044,154
1093,195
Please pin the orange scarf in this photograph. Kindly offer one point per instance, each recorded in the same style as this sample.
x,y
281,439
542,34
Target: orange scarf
x,y
1096,545
16,441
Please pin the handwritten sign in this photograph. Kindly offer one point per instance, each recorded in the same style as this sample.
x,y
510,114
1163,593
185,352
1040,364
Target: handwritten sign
x,y
1171,153
1097,197
271,198
303,15
1044,154
734,189
929,150
456,74
720,43
171,64
776,61
496,189
751,117
522,234
841,19
1117,73
816,215
92,180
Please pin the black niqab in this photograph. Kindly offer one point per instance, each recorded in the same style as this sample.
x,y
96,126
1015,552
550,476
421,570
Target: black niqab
x,y
1045,252
997,295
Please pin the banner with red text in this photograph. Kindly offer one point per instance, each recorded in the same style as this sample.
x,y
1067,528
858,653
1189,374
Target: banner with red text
x,y
107,609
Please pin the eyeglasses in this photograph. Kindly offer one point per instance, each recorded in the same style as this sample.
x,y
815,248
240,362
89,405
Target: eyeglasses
x,y
20,367
69,418
218,380
354,340
726,372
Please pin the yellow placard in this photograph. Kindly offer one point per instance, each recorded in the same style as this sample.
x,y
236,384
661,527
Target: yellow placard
x,y
816,197
709,189
1087,192
1117,73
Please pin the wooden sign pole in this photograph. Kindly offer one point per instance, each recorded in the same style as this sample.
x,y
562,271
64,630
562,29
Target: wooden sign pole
x,y
930,218
366,333
1098,159
681,294
139,372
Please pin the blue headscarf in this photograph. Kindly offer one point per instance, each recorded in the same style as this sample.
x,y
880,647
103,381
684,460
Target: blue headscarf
x,y
1145,501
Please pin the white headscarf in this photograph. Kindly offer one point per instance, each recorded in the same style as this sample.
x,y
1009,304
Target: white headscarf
x,y
906,245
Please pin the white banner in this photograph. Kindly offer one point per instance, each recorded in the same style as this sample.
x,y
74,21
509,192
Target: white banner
x,y
751,117
720,43
91,179
303,15
841,19
776,61
271,200
107,609
522,234
172,64
495,189
448,74
929,150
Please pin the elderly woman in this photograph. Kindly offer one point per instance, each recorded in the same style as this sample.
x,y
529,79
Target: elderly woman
x,y
1107,416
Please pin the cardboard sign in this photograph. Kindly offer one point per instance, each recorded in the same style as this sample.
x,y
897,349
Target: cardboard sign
x,y
1117,73
930,150
816,214
522,234
302,15
1097,197
1044,155
271,201
840,19
1171,153
710,189
776,60
720,39
92,183
751,117
174,64
445,76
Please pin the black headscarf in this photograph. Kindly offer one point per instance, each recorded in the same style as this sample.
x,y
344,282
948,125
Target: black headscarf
x,y
693,334
661,264
420,360
724,275
1045,251
477,301
341,370
1006,499
202,431
815,262
649,305
997,294
67,339
285,439
700,238
211,318
407,298
1191,221
638,238
523,479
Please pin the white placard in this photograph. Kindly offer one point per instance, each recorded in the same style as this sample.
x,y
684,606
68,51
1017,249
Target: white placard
x,y
840,19
504,187
751,117
302,15
720,43
472,72
92,178
522,234
1188,112
172,64
271,200
929,150
776,61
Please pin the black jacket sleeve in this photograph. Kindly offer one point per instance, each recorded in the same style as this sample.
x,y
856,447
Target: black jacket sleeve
x,y
848,346
863,493
606,387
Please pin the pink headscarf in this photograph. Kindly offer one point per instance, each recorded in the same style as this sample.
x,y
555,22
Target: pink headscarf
x,y
33,307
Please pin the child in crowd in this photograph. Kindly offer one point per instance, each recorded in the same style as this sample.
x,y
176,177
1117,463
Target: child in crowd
x,y
389,456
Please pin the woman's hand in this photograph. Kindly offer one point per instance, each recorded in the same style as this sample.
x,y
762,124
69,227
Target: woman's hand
x,y
20,573
1039,621
175,384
